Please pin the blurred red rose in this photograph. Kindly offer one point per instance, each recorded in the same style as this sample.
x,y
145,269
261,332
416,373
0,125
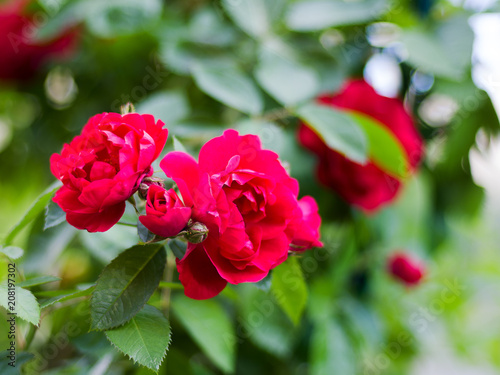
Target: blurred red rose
x,y
366,186
103,167
22,55
248,202
406,268
166,215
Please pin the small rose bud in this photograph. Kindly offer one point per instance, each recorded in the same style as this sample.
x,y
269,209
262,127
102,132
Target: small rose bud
x,y
196,232
405,268
146,183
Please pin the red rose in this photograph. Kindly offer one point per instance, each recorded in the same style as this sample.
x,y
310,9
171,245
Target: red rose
x,y
22,55
248,202
165,215
366,186
405,268
103,167
307,226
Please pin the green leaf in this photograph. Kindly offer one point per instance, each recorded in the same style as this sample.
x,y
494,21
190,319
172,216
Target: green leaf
x,y
426,53
66,296
337,129
13,252
178,146
255,17
331,350
229,85
125,285
264,322
322,14
178,247
145,338
289,288
167,106
21,359
38,281
37,207
144,234
384,148
286,79
54,215
26,306
270,134
210,327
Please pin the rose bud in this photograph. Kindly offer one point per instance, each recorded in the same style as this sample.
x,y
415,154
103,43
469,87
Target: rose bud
x,y
366,186
146,183
405,268
196,232
166,215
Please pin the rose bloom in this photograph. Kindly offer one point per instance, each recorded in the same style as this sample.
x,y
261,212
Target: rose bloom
x,y
103,167
22,55
166,215
366,186
405,268
248,202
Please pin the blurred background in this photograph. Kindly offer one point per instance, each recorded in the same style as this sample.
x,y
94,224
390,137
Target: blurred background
x,y
61,62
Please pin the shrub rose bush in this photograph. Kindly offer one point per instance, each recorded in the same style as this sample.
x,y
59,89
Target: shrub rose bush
x,y
248,202
103,167
366,186
22,55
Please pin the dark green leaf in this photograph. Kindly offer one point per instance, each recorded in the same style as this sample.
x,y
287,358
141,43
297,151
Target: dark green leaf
x,y
145,338
126,284
321,14
54,215
178,247
144,234
210,327
337,129
32,212
289,288
229,85
38,281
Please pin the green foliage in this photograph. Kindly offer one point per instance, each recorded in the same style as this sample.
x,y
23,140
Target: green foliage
x,y
337,129
228,84
126,284
13,252
38,281
144,338
210,327
26,306
289,288
37,207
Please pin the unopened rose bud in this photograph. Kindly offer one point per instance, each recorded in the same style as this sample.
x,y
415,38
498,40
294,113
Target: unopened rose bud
x,y
146,183
196,232
405,268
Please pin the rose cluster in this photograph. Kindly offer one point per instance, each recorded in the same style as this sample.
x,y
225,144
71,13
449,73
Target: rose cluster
x,y
238,195
248,203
